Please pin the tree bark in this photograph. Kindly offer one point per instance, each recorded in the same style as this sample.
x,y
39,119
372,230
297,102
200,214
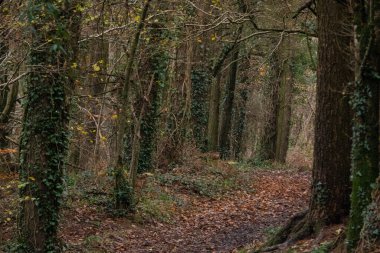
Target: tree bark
x,y
224,138
330,192
369,236
267,148
285,94
365,104
45,127
332,142
213,115
123,198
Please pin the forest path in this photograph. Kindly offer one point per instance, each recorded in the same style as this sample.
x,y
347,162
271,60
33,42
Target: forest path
x,y
219,225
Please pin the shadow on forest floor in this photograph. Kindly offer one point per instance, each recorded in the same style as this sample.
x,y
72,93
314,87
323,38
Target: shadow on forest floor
x,y
211,207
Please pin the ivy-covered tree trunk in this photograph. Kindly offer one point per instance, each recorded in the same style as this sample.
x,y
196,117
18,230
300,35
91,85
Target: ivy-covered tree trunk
x,y
224,138
240,123
45,134
158,70
213,114
365,104
370,234
122,190
267,148
200,82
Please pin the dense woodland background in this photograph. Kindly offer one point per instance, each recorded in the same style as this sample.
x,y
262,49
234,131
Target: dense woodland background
x,y
189,126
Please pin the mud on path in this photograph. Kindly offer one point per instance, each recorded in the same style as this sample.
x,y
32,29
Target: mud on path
x,y
220,225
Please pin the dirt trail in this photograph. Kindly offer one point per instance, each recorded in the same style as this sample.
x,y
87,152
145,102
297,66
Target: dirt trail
x,y
209,226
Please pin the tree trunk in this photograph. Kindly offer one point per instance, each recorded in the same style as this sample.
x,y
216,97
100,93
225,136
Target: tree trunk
x,y
267,148
285,94
329,200
123,196
365,104
369,236
224,138
44,134
157,65
332,144
8,96
200,81
214,95
240,124
213,115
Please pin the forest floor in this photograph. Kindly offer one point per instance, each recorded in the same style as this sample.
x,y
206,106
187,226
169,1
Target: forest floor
x,y
210,206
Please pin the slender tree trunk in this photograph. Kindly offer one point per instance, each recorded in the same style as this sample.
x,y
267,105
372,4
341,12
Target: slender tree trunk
x,y
214,95
365,104
213,115
44,135
224,138
285,94
200,81
8,96
157,67
123,194
267,148
240,123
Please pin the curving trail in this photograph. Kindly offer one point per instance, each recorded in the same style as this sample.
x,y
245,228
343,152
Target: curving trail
x,y
221,225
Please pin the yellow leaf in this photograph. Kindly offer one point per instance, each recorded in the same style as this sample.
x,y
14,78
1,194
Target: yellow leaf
x,y
103,138
115,116
137,18
8,219
74,65
32,179
96,67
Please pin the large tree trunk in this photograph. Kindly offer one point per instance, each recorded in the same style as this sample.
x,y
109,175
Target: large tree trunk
x,y
332,144
44,134
330,191
365,103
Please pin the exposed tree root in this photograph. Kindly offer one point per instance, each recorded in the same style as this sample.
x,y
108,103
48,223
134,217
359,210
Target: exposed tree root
x,y
339,245
297,228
